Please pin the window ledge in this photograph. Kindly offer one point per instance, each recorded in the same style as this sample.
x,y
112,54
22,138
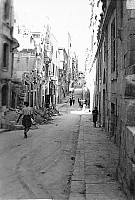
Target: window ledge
x,y
4,69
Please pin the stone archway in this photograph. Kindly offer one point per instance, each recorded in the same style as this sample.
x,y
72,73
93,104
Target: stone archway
x,y
4,95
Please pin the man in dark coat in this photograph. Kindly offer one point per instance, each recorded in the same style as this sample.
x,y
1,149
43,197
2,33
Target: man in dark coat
x,y
95,116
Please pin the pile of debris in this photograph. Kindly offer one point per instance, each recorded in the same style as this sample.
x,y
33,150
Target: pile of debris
x,y
41,116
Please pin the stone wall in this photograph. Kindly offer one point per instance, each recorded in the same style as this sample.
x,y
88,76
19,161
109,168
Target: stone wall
x,y
126,167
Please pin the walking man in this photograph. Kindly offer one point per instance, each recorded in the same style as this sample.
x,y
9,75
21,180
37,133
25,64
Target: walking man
x,y
95,116
27,114
70,101
73,100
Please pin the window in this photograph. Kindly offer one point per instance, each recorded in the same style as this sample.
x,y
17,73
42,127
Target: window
x,y
53,68
52,49
113,47
104,51
5,55
47,71
6,10
92,39
4,95
104,77
113,120
106,45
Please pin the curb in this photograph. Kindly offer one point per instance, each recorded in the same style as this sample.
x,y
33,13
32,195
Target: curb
x,y
78,186
2,130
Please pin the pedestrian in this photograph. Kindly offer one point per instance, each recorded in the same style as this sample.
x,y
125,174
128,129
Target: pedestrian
x,y
80,103
27,114
86,102
70,101
95,116
73,99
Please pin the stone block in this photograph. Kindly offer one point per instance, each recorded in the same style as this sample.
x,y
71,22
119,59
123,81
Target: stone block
x,y
130,85
124,49
78,187
133,14
99,178
130,70
122,160
98,197
123,139
127,112
131,26
131,114
77,196
91,170
126,168
129,142
109,190
125,13
129,58
123,112
131,42
129,170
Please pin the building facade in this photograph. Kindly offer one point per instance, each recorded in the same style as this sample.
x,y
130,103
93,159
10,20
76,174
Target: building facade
x,y
40,68
7,46
74,69
114,87
90,62
63,75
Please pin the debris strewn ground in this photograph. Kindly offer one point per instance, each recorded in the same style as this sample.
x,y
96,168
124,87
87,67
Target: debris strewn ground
x,y
41,116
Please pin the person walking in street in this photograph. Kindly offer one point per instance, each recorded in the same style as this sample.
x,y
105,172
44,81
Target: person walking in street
x,y
27,114
95,116
73,100
80,103
70,101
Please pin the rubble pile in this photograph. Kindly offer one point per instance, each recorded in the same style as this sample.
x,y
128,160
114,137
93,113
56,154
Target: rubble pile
x,y
9,119
41,116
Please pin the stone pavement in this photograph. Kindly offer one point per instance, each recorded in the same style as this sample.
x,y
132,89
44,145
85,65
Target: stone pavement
x,y
94,176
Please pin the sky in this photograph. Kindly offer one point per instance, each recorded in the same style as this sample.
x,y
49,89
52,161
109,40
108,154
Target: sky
x,y
64,16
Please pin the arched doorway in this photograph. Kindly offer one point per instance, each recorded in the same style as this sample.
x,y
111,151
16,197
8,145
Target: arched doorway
x,y
4,95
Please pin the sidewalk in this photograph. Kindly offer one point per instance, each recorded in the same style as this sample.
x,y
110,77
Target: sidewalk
x,y
94,176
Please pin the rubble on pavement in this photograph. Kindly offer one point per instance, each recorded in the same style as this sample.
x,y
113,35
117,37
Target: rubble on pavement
x,y
41,116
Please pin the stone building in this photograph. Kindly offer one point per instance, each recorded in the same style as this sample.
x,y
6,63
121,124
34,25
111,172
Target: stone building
x,y
69,50
74,68
35,69
7,46
26,62
63,75
53,71
115,87
90,64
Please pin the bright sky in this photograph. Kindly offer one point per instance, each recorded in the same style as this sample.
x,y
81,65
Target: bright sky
x,y
65,16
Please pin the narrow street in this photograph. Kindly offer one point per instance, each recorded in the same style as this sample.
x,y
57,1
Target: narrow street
x,y
67,76
66,159
40,166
